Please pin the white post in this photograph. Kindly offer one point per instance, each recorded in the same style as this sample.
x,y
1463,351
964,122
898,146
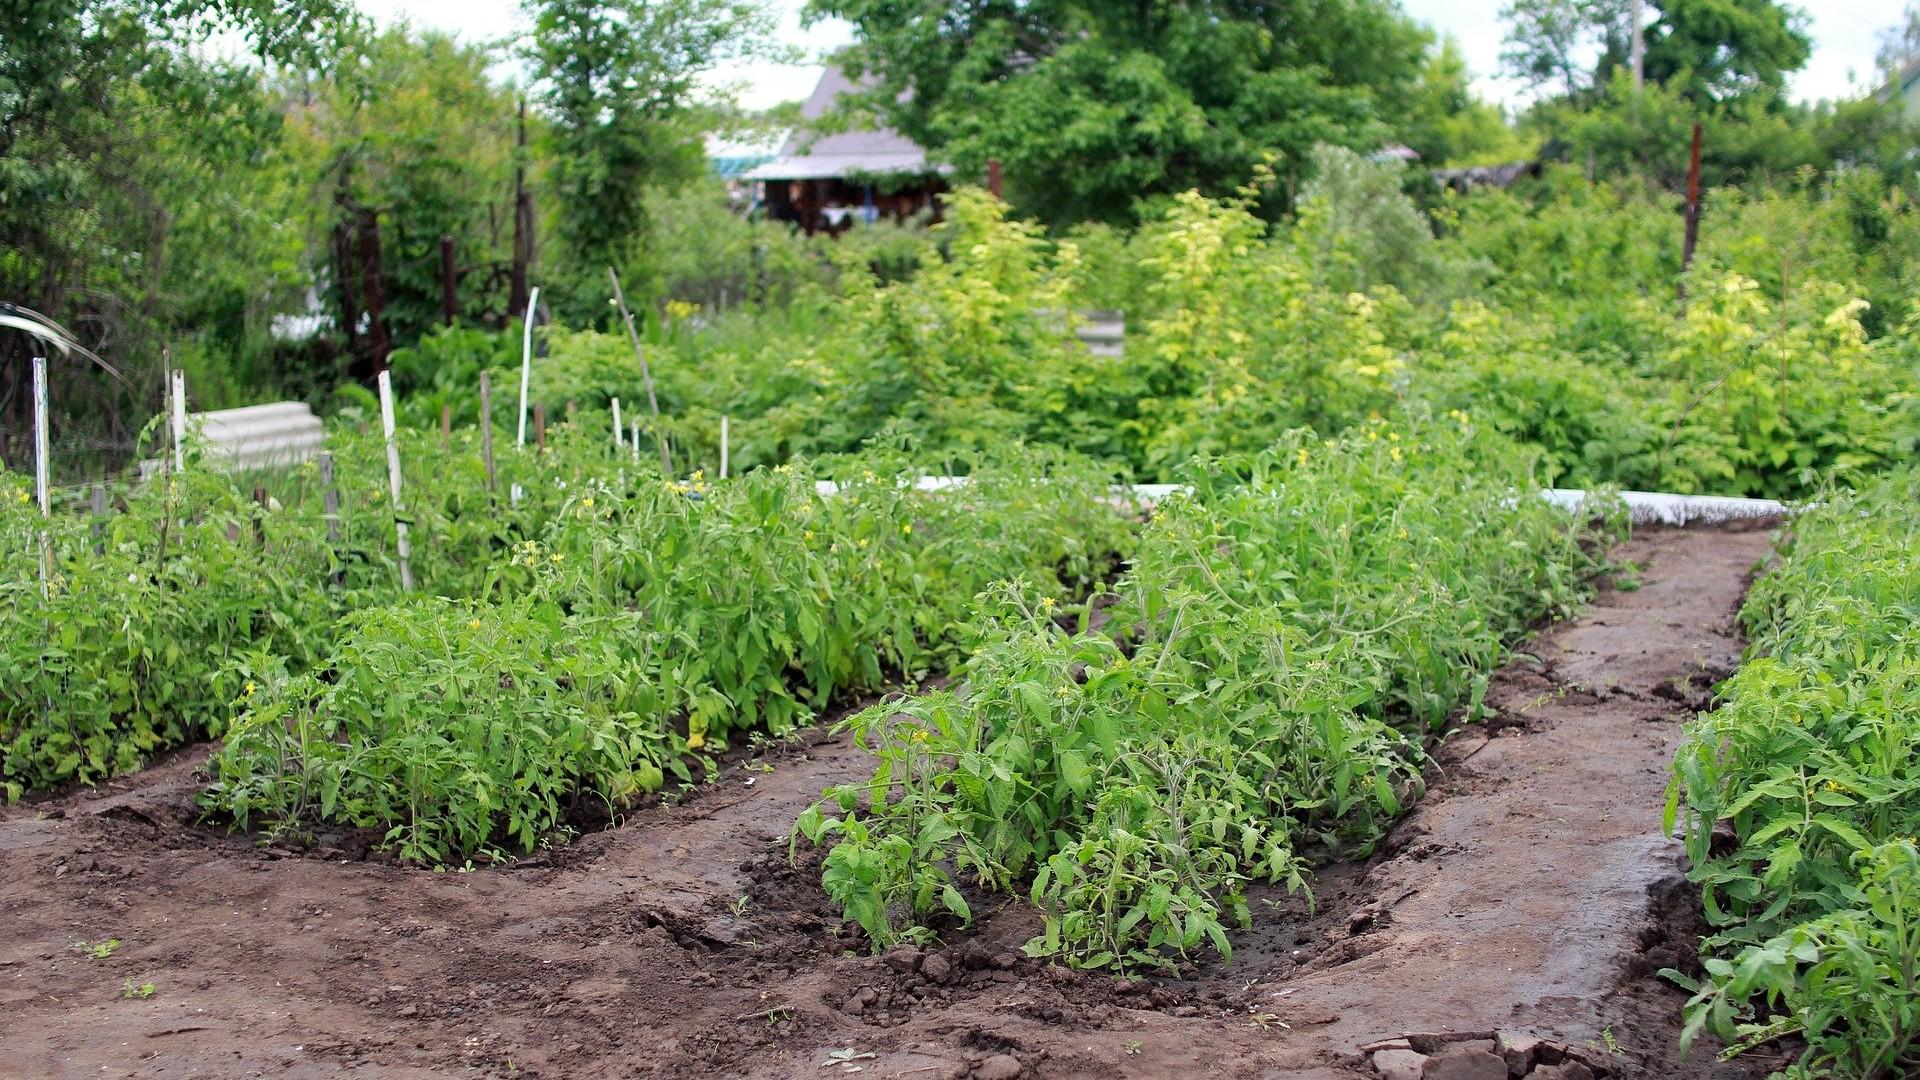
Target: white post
x,y
723,447
177,381
634,443
403,545
526,362
40,481
526,375
618,430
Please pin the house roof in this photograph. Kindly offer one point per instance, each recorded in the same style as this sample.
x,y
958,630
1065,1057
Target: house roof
x,y
871,151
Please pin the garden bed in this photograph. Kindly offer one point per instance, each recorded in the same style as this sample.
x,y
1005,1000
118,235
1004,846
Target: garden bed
x,y
1531,893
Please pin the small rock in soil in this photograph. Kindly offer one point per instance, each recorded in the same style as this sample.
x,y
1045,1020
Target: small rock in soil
x,y
902,958
1520,1051
1466,1064
1569,1070
936,968
999,1067
1005,961
1399,1064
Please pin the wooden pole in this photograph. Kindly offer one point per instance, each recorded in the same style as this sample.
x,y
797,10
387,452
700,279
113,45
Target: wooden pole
x,y
330,513
540,424
1637,51
996,180
1693,211
486,427
98,504
449,290
446,424
646,373
260,515
402,546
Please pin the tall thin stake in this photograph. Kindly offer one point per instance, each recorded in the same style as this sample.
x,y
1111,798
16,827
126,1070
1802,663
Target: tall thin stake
x,y
617,427
402,546
178,382
646,373
526,363
98,505
1693,212
41,488
486,427
330,512
723,447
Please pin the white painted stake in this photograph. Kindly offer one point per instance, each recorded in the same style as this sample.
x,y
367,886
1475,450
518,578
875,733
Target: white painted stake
x,y
526,374
526,362
40,482
635,442
402,545
618,430
723,447
177,391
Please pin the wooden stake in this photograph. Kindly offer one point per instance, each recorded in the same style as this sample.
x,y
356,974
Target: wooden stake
x,y
634,443
98,504
618,429
646,373
330,513
540,425
446,424
486,427
723,447
403,547
260,515
1693,210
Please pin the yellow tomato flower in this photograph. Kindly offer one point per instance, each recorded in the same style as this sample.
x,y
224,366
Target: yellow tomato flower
x,y
588,501
863,541
807,535
473,624
906,530
1046,603
558,557
696,740
24,497
250,688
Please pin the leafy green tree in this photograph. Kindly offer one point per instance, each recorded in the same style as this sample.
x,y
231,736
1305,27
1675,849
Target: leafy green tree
x,y
1708,50
618,78
114,129
1100,111
414,131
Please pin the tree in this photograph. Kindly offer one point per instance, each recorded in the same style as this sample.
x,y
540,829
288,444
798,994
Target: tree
x,y
113,131
411,137
1551,42
1707,50
1900,45
617,78
1098,110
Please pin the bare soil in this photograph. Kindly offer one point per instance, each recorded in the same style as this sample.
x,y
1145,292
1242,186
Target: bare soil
x,y
1510,926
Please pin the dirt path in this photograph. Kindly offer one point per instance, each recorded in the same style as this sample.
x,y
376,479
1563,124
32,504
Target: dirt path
x,y
1531,893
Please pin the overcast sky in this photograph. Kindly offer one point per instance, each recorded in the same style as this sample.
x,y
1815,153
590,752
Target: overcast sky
x,y
1846,34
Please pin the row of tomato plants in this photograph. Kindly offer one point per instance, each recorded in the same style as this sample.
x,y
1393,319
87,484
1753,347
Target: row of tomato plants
x,y
1800,798
580,638
1255,699
649,621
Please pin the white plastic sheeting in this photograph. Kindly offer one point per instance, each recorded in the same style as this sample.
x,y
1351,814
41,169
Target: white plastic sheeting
x,y
1660,508
1644,507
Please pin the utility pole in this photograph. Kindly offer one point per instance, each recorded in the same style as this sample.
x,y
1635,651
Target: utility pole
x,y
1639,47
